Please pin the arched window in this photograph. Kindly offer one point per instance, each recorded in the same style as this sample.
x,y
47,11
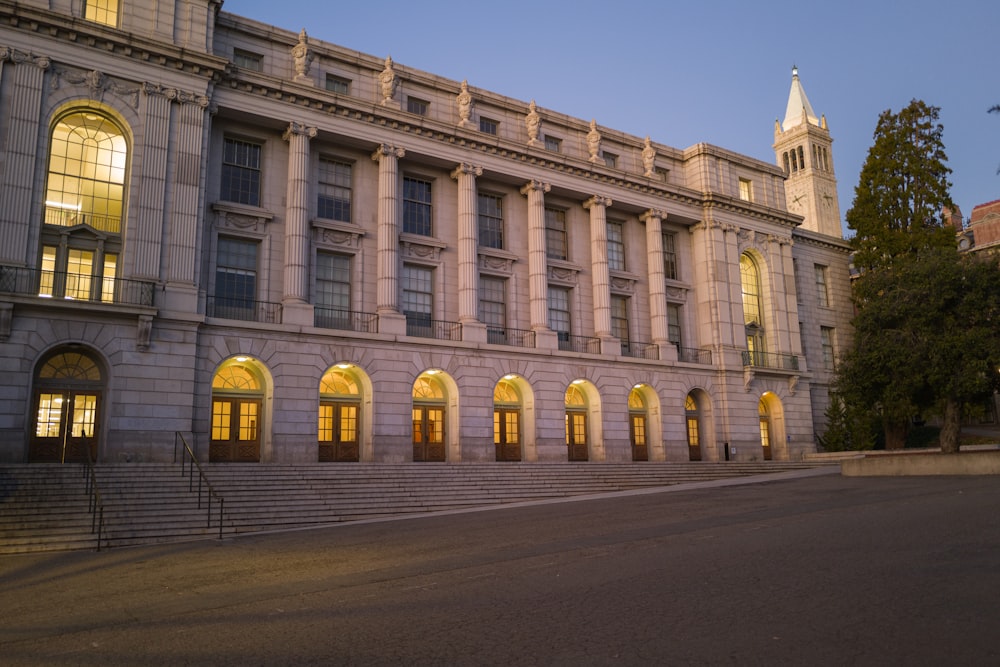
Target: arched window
x,y
84,205
339,413
507,421
576,424
637,418
237,412
429,412
693,422
753,312
69,387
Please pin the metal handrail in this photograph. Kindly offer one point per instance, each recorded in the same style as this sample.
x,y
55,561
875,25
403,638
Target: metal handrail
x,y
247,310
640,350
786,362
694,355
68,286
428,328
570,343
346,320
202,479
511,337
95,504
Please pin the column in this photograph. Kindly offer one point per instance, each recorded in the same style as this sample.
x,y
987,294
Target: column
x,y
297,214
657,280
23,82
390,319
538,283
468,242
597,205
152,187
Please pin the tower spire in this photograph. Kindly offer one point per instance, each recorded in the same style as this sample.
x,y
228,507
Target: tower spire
x,y
798,105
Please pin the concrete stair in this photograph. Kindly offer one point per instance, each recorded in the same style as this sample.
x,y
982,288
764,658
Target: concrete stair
x,y
44,508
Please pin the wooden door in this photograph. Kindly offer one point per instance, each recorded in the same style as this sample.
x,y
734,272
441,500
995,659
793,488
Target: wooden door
x,y
507,433
338,431
66,426
576,435
428,433
236,423
637,433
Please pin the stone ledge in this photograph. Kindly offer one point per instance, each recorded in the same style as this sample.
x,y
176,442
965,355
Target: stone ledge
x,y
922,464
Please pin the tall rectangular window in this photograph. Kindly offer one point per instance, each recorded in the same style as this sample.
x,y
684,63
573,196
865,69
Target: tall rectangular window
x,y
555,234
418,299
746,189
670,255
619,319
334,190
333,281
491,221
248,60
822,290
559,314
493,307
674,324
827,341
102,11
339,85
616,246
417,206
241,172
236,277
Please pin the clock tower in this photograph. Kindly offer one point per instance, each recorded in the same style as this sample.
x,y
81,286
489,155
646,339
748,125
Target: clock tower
x,y
803,147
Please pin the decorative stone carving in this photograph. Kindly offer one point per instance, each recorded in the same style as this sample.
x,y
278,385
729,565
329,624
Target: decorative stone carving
x,y
747,378
594,142
299,128
23,58
622,284
97,84
302,57
566,275
175,95
417,247
679,294
533,122
337,235
144,333
6,316
387,82
464,101
793,383
649,159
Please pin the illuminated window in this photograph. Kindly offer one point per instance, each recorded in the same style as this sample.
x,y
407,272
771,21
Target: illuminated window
x,y
102,11
753,318
746,189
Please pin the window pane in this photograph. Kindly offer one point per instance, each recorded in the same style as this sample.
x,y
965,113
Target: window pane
x,y
241,172
616,246
670,255
334,188
555,233
416,207
490,221
333,281
492,306
236,273
102,11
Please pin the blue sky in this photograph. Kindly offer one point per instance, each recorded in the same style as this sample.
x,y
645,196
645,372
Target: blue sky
x,y
713,71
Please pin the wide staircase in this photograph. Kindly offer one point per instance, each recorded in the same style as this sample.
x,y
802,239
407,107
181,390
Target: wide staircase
x,y
46,507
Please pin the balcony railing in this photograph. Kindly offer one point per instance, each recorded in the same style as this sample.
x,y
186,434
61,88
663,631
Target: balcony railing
x,y
784,362
75,286
512,337
69,217
637,350
694,355
346,320
427,328
579,343
243,309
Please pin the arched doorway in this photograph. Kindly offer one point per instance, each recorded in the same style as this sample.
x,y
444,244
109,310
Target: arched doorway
x,y
638,417
507,421
692,419
577,436
237,412
766,432
339,415
429,410
69,387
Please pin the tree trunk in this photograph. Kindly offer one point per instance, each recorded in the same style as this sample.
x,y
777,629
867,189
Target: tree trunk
x,y
895,434
952,426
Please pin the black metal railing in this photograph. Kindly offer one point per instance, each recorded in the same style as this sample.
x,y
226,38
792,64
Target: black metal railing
x,y
639,350
70,217
75,286
570,343
512,337
243,309
189,462
346,320
784,362
694,355
95,505
439,329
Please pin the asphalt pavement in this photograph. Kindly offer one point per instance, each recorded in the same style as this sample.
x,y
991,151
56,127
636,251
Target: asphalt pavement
x,y
806,569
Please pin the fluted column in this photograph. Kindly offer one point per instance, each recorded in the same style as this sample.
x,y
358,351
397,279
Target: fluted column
x,y
388,237
148,234
468,278
23,82
597,205
538,283
297,214
184,203
657,280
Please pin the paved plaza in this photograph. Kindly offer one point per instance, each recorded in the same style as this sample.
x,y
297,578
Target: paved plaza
x,y
813,570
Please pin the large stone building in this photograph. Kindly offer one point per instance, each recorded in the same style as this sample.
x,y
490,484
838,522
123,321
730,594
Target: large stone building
x,y
288,251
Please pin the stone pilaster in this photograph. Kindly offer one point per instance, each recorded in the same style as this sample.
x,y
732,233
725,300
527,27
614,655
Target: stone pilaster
x,y
597,205
185,201
537,263
468,278
150,210
297,214
22,75
657,280
387,281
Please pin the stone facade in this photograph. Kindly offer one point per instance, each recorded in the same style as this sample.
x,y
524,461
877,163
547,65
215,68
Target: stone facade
x,y
319,254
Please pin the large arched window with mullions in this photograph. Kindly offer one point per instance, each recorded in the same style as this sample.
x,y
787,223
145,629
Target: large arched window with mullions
x,y
84,207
